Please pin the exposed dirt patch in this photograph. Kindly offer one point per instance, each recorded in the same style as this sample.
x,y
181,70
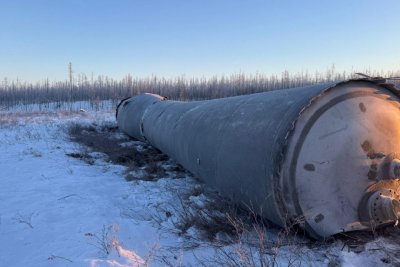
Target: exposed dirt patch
x,y
138,157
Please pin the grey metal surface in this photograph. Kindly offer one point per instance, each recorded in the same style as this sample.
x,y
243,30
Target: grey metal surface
x,y
243,145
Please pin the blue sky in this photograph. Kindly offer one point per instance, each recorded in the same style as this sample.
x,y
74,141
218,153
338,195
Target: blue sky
x,y
195,37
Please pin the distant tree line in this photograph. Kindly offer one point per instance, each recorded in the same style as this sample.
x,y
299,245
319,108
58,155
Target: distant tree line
x,y
82,88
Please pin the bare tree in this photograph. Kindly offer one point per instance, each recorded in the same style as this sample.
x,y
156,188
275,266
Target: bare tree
x,y
71,79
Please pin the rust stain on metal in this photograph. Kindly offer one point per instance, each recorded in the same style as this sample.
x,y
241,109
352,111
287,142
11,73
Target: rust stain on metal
x,y
309,167
362,107
376,156
319,218
371,154
373,172
366,146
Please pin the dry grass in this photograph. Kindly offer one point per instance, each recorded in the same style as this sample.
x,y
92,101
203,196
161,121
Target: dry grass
x,y
9,118
238,235
106,241
242,238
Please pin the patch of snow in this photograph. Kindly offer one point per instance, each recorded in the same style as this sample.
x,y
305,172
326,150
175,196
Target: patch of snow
x,y
51,202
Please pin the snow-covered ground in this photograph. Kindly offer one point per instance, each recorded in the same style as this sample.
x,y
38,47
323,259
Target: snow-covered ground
x,y
57,210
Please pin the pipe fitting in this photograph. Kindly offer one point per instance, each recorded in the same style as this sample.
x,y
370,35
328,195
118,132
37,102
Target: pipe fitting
x,y
380,207
390,167
394,169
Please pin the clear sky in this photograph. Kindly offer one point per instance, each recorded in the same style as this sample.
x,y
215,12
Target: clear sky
x,y
195,37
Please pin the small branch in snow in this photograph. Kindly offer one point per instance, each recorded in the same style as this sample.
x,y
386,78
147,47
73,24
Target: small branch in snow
x,y
53,257
107,240
71,195
25,219
69,170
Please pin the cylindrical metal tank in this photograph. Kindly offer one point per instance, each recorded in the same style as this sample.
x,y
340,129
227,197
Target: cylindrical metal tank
x,y
324,156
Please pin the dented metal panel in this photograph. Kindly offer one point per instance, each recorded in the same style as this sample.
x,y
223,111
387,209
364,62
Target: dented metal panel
x,y
309,153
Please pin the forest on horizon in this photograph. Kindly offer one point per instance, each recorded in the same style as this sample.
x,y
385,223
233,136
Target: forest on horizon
x,y
80,87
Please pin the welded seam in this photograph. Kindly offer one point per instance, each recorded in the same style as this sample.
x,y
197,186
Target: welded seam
x,y
141,125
